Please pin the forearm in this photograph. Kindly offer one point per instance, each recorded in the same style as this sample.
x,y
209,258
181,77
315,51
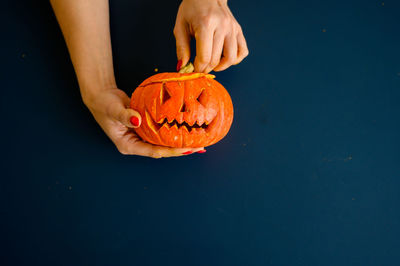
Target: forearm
x,y
85,26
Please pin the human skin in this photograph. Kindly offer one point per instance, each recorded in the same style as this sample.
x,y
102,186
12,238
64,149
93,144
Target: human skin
x,y
86,30
220,42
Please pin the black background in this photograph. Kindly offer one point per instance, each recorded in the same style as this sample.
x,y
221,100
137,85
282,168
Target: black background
x,y
308,175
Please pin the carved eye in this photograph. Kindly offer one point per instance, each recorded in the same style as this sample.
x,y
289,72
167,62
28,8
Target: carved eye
x,y
164,95
200,98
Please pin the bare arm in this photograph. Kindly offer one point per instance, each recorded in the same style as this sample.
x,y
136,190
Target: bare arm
x,y
85,26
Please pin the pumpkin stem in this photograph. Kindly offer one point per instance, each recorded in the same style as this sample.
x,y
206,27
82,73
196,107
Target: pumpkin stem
x,y
189,68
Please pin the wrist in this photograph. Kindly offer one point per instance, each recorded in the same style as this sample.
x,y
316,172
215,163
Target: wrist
x,y
91,83
91,93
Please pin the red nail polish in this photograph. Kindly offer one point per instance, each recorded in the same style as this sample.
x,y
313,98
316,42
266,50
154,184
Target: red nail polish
x,y
178,66
202,151
187,152
134,121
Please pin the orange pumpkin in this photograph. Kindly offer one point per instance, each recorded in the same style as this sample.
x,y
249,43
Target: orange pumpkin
x,y
182,110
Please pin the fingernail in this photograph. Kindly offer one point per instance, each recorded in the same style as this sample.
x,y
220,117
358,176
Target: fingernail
x,y
134,121
178,66
202,151
187,152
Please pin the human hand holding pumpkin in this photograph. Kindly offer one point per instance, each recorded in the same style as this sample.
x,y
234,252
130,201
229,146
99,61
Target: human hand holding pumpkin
x,y
85,26
220,42
109,108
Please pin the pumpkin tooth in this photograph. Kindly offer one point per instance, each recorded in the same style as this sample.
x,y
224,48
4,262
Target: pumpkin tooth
x,y
165,125
151,123
174,126
185,128
162,120
211,124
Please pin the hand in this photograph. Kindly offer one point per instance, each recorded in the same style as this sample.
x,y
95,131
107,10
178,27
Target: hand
x,y
109,109
219,38
85,26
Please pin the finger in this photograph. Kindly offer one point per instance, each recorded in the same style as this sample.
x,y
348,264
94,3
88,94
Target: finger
x,y
138,147
182,37
204,44
229,53
218,45
165,152
243,51
128,117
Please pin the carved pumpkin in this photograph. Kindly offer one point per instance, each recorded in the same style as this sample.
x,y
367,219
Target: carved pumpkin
x,y
182,110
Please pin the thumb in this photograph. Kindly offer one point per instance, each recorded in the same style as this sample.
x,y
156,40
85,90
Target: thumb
x,y
182,38
128,117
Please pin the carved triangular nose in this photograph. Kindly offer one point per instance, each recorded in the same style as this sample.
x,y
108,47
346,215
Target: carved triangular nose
x,y
183,108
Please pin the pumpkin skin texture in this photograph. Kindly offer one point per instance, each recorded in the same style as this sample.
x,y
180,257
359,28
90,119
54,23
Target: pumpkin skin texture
x,y
182,110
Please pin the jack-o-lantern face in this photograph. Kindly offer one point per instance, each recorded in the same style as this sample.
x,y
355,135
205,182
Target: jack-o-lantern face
x,y
182,110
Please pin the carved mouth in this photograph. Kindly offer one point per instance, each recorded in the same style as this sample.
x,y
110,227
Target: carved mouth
x,y
169,124
183,125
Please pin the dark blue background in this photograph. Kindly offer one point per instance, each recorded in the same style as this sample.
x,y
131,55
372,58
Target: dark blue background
x,y
308,175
